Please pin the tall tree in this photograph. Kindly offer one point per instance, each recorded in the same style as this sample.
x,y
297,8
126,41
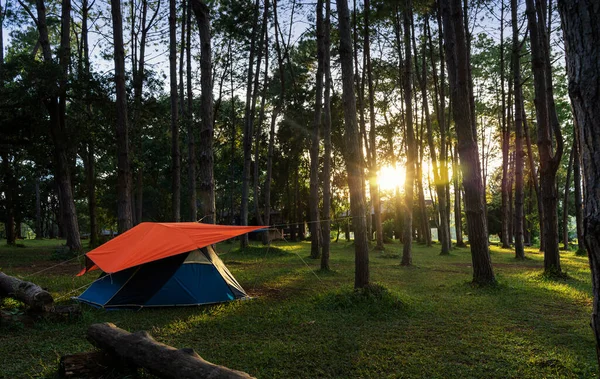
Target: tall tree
x,y
89,158
315,227
443,186
56,105
353,159
138,57
409,181
175,153
248,121
124,216
280,103
581,27
326,233
372,150
189,118
505,220
458,62
518,118
206,185
547,128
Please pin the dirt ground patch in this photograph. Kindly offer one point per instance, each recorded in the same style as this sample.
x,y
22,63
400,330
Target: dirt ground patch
x,y
274,293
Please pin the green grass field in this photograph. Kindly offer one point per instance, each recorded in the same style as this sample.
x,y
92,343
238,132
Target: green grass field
x,y
303,323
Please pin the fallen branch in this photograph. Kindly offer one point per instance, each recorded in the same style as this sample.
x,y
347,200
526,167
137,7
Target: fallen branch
x,y
29,293
141,350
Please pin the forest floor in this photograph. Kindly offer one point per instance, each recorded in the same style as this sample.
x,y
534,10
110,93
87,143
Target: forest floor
x,y
428,322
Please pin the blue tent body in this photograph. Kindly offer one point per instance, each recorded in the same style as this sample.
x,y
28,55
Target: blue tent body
x,y
192,278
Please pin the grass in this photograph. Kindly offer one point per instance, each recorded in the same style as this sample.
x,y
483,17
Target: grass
x,y
422,321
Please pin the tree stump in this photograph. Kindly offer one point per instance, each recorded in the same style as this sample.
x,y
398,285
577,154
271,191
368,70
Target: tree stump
x,y
29,293
141,350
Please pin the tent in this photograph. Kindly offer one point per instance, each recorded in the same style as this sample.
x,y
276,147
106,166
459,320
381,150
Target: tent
x,y
163,264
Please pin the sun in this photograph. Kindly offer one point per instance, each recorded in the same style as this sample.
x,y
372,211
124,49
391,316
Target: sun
x,y
390,177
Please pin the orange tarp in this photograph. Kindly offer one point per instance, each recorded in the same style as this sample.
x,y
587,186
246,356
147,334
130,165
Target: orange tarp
x,y
151,241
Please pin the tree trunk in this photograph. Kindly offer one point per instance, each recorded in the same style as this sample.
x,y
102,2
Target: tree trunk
x,y
546,121
124,213
372,150
206,185
440,171
278,108
38,209
458,73
248,121
565,220
457,200
140,349
577,193
326,231
91,184
175,153
56,106
581,26
518,117
353,154
409,181
189,114
315,227
9,184
505,144
29,293
534,178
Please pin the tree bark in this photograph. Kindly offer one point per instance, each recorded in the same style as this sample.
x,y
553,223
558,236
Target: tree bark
x,y
372,150
56,106
457,60
175,151
91,184
206,185
547,128
409,180
565,220
505,143
326,232
534,177
9,192
354,164
457,200
140,349
189,114
248,121
518,117
577,194
437,168
315,227
581,27
124,212
29,293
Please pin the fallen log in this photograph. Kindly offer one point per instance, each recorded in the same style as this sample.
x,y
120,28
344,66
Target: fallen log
x,y
29,293
141,350
94,364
